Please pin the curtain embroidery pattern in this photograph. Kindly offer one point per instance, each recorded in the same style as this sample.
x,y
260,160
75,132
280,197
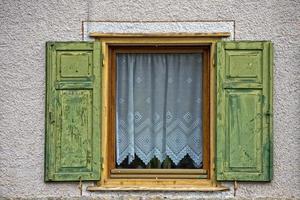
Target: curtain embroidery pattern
x,y
159,106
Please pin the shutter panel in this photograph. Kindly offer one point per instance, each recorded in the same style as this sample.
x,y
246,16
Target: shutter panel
x,y
244,111
73,110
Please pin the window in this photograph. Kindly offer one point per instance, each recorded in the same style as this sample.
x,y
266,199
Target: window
x,y
161,96
177,112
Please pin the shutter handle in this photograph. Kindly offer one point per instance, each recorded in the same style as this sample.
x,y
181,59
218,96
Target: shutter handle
x,y
51,118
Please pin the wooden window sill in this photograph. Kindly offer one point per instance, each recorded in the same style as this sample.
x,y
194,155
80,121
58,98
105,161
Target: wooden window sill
x,y
159,173
175,188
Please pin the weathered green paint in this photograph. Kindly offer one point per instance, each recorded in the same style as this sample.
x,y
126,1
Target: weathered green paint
x,y
244,111
75,64
73,109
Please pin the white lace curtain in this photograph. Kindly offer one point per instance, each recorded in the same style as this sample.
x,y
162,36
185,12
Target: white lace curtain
x,y
159,106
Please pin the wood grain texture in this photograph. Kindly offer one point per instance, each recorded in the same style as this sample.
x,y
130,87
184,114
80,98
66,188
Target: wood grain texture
x,y
106,181
243,105
160,188
73,107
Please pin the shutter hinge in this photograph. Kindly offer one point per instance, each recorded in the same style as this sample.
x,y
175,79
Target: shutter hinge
x,y
268,115
102,59
101,163
214,60
51,118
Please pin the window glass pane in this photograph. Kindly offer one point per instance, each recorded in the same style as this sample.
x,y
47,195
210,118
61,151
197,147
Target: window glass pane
x,y
159,110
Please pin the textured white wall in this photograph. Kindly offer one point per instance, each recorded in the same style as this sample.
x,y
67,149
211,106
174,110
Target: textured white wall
x,y
25,26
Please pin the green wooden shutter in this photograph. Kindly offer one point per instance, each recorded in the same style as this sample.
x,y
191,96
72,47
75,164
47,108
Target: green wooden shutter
x,y
73,108
244,111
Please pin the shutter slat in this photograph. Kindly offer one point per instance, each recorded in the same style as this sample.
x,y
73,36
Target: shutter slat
x,y
73,111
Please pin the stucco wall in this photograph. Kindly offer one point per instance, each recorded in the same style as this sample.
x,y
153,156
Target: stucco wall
x,y
26,25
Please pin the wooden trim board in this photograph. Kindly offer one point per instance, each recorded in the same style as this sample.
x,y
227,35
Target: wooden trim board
x,y
108,183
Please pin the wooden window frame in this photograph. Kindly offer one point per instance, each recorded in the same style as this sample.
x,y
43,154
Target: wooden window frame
x,y
185,183
158,173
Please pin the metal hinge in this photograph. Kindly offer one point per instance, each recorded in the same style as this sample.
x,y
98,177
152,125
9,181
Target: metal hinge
x,y
102,59
268,115
215,57
51,118
101,163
